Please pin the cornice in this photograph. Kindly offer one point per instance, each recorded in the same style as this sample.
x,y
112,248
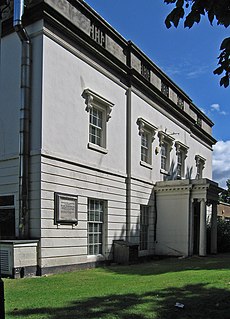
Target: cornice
x,y
71,19
198,188
174,189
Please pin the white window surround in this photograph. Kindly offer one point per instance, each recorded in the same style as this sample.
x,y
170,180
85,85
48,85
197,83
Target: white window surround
x,y
200,163
150,130
166,140
181,150
96,226
97,102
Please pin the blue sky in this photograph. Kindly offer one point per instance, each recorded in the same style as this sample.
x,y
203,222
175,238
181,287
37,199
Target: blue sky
x,y
188,56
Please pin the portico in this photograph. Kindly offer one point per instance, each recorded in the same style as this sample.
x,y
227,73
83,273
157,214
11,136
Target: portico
x,y
193,204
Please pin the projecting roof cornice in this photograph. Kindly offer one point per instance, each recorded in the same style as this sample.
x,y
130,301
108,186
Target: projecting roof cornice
x,y
81,27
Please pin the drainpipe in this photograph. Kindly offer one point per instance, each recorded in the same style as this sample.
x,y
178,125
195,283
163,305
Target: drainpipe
x,y
24,134
128,167
128,144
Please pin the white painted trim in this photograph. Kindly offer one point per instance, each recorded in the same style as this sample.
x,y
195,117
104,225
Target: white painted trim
x,y
97,148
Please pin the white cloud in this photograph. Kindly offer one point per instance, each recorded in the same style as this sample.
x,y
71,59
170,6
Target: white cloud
x,y
186,68
221,162
196,72
215,107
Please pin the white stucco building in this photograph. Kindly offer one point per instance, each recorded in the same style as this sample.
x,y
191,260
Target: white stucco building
x,y
96,144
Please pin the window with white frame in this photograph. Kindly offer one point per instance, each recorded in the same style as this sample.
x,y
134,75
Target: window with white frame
x,y
7,217
147,132
99,110
181,152
144,227
96,212
145,147
200,163
180,165
164,157
96,127
165,142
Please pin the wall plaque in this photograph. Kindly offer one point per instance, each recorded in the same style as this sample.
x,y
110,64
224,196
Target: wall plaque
x,y
65,209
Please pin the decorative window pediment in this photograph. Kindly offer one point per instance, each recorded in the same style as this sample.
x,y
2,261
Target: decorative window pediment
x,y
200,160
181,152
147,132
200,163
94,99
165,138
166,143
144,125
99,110
180,147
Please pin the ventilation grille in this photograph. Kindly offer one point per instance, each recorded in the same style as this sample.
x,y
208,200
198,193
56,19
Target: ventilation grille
x,y
5,261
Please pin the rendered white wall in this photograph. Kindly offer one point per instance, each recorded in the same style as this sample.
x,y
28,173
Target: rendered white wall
x,y
150,112
10,95
172,224
65,120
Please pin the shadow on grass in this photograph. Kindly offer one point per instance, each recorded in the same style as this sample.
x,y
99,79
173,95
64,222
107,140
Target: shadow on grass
x,y
200,302
173,264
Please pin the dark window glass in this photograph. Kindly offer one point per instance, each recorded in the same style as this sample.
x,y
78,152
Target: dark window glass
x,y
7,200
7,223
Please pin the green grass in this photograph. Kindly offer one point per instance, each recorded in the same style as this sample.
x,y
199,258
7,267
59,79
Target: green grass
x,y
141,291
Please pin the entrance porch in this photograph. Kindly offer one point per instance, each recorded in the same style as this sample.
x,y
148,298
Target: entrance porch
x,y
184,209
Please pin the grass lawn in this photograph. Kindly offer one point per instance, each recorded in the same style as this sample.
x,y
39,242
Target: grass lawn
x,y
141,291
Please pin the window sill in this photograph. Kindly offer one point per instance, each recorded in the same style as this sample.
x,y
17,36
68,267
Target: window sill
x,y
147,165
94,258
97,148
162,171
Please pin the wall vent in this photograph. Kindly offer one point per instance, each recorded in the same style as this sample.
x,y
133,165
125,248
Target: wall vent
x,y
5,260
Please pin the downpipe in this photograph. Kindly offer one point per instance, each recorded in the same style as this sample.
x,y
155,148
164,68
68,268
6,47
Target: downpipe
x,y
128,167
24,134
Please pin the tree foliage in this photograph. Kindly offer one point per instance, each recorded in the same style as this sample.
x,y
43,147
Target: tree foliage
x,y
191,11
225,195
223,236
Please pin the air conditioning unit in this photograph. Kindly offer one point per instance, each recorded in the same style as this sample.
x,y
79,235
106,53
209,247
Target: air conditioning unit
x,y
6,259
18,258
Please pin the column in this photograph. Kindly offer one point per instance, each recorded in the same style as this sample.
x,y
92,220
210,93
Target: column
x,y
214,229
191,228
203,229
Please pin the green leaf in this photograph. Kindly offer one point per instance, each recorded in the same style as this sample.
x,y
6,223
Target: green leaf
x,y
224,81
168,23
219,70
197,17
210,16
189,21
174,17
170,1
225,43
180,3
